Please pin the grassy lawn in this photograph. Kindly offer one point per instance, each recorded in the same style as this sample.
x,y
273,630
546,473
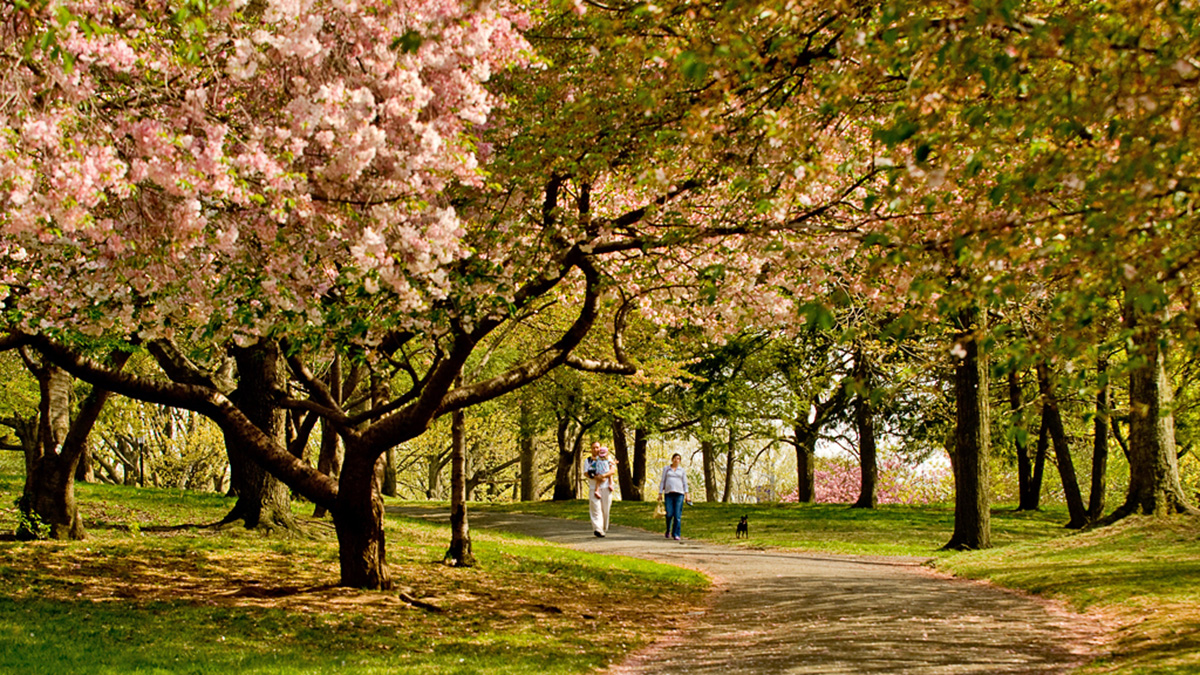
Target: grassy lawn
x,y
139,598
1141,576
832,528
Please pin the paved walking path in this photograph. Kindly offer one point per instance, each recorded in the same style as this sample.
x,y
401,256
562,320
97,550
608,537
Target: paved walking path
x,y
776,612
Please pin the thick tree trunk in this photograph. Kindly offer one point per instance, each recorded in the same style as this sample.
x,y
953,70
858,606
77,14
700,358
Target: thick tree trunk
x,y
864,419
1099,445
707,461
527,450
972,515
1062,451
569,452
620,441
263,501
1154,487
1027,498
805,442
48,503
358,519
459,554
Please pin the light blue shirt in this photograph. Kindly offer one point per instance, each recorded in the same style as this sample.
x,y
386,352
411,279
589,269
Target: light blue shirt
x,y
673,480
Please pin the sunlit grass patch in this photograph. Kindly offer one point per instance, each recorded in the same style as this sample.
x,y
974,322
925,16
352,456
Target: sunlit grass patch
x,y
144,599
1143,574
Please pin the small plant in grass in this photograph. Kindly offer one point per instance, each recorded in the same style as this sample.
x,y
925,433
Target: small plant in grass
x,y
29,523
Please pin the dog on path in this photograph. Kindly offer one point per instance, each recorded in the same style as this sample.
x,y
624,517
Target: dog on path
x,y
743,528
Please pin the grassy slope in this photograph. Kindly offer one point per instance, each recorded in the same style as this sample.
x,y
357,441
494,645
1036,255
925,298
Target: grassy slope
x,y
133,599
1140,576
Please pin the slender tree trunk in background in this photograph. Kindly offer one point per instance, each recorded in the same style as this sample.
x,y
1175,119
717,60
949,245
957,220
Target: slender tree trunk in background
x,y
1027,500
1154,487
528,452
329,461
1099,444
330,457
864,419
806,450
1062,451
641,439
972,515
459,554
263,501
1033,500
707,461
730,460
86,471
620,441
388,488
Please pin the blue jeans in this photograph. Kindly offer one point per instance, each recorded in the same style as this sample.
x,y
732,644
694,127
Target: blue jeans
x,y
673,502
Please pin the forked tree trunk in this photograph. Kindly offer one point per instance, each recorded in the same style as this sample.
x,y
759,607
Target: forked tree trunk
x,y
568,443
48,502
1062,451
263,501
972,515
1027,499
459,554
1154,487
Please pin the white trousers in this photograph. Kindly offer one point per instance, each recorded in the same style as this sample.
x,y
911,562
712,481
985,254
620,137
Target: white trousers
x,y
598,508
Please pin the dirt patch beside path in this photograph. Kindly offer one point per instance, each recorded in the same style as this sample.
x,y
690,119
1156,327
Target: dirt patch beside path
x,y
776,612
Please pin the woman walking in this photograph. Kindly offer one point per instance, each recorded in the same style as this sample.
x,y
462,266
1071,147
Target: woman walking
x,y
672,491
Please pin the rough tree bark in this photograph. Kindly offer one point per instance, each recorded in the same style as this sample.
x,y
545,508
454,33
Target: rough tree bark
x,y
1154,487
972,515
570,453
805,441
620,441
49,494
527,451
730,462
864,421
459,554
1062,450
263,501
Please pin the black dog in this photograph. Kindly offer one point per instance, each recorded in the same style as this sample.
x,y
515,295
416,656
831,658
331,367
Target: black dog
x,y
743,528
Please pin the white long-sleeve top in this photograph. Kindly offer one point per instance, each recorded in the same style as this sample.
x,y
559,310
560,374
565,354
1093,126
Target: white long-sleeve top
x,y
673,480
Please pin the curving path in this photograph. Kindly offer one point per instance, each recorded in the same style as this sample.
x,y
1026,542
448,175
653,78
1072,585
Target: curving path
x,y
776,612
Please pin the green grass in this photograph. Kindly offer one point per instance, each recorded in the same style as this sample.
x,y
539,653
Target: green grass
x,y
1140,577
134,598
831,528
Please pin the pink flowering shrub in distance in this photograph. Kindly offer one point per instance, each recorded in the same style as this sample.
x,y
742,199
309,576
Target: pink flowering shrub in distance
x,y
838,480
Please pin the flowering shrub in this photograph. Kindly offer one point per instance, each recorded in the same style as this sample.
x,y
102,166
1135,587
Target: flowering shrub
x,y
838,480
